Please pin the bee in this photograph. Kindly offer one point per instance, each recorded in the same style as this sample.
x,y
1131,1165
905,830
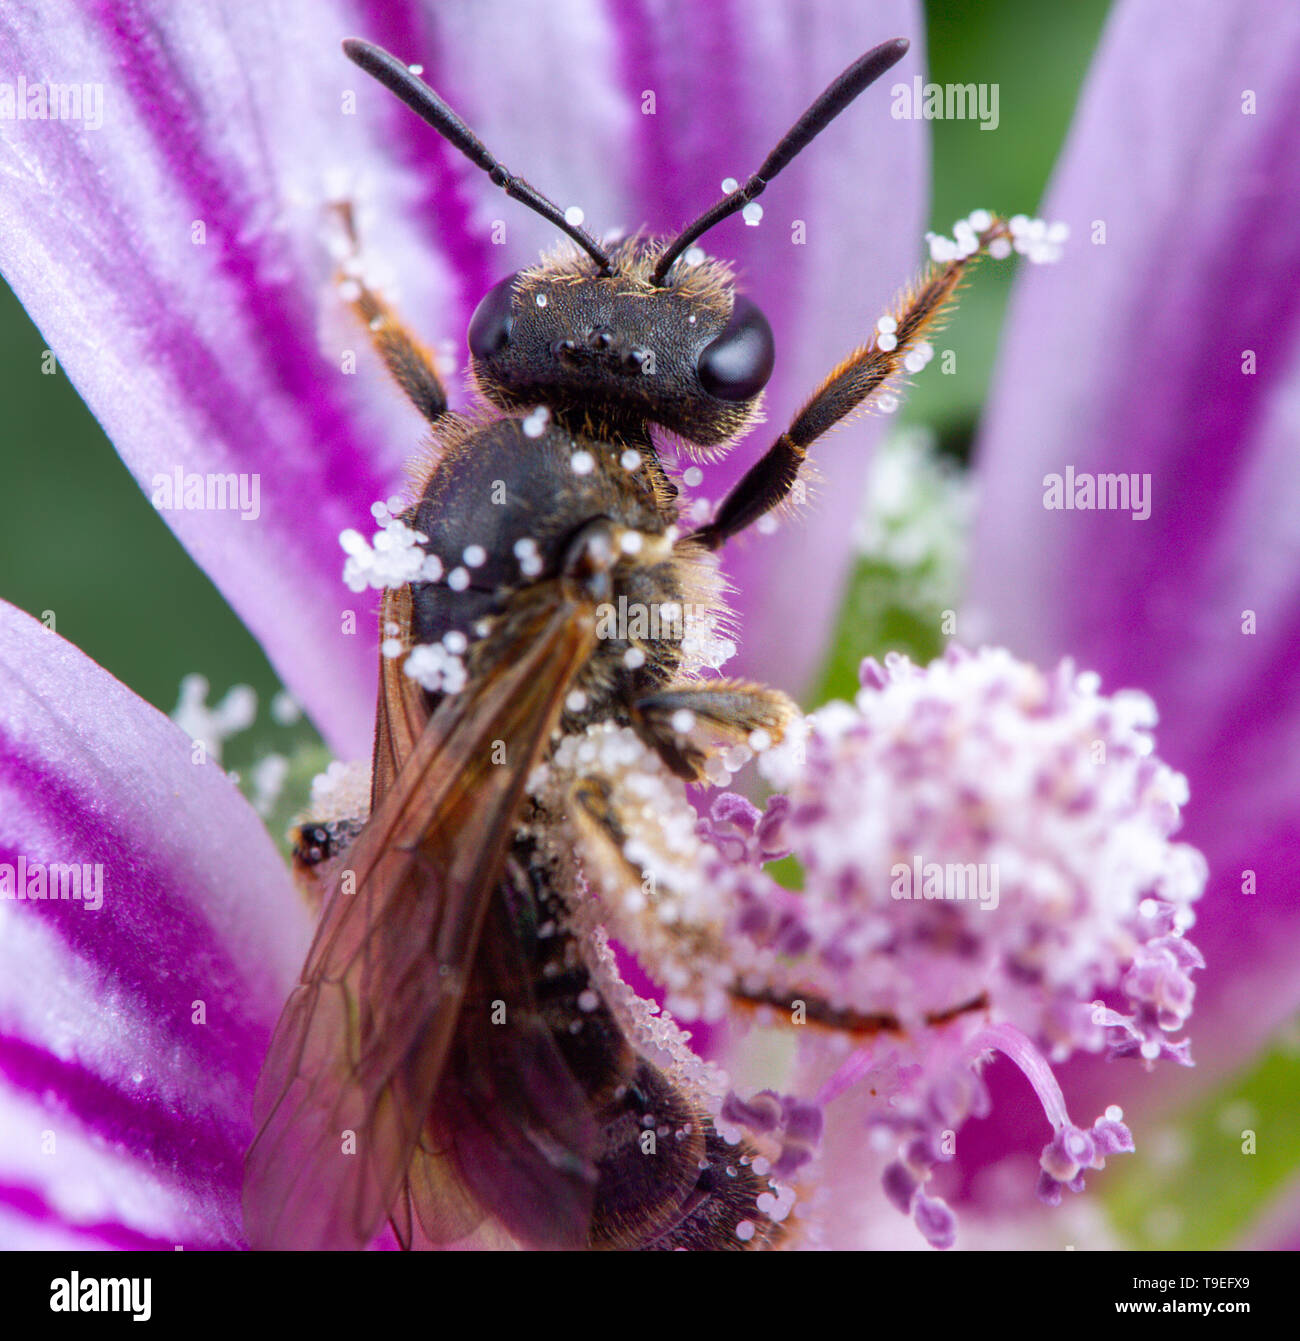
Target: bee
x,y
454,1062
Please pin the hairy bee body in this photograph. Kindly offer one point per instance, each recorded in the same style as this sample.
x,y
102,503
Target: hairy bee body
x,y
520,489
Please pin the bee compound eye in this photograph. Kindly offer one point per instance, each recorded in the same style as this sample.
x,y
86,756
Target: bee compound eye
x,y
493,320
738,363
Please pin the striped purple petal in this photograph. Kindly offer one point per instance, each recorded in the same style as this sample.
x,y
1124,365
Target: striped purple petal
x,y
1171,351
138,995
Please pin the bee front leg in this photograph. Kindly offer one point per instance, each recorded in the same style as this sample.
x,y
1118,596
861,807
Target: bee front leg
x,y
863,376
410,364
675,721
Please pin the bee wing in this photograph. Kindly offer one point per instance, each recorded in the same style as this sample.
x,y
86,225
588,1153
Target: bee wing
x,y
403,710
361,1045
513,1139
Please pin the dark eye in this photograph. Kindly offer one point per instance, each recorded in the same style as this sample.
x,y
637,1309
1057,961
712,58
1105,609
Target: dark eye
x,y
738,363
489,327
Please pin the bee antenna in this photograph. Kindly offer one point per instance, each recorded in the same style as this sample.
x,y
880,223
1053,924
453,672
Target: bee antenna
x,y
860,75
421,99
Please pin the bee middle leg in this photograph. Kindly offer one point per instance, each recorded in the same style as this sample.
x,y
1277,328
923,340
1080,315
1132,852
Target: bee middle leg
x,y
671,720
409,362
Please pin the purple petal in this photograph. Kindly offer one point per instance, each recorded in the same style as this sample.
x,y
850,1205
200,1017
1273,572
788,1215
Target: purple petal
x,y
1128,357
102,1049
206,357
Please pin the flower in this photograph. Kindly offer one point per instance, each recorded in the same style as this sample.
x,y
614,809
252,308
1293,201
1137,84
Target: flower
x,y
985,849
176,260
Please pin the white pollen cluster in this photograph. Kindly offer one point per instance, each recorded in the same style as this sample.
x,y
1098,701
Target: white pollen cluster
x,y
1039,241
529,556
393,559
665,893
341,792
915,359
705,645
435,667
535,422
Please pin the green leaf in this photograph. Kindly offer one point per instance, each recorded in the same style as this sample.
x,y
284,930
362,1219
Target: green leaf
x,y
1192,1182
875,618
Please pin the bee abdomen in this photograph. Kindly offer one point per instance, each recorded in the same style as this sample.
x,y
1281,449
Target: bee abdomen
x,y
721,1213
667,1179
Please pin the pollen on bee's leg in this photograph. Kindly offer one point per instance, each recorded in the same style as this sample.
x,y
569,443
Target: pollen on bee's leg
x,y
361,283
1037,240
355,270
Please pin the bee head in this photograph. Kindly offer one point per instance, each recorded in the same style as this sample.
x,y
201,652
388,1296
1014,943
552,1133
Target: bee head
x,y
690,353
643,331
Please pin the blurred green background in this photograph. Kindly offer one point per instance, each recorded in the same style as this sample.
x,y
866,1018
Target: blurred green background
x,y
126,579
